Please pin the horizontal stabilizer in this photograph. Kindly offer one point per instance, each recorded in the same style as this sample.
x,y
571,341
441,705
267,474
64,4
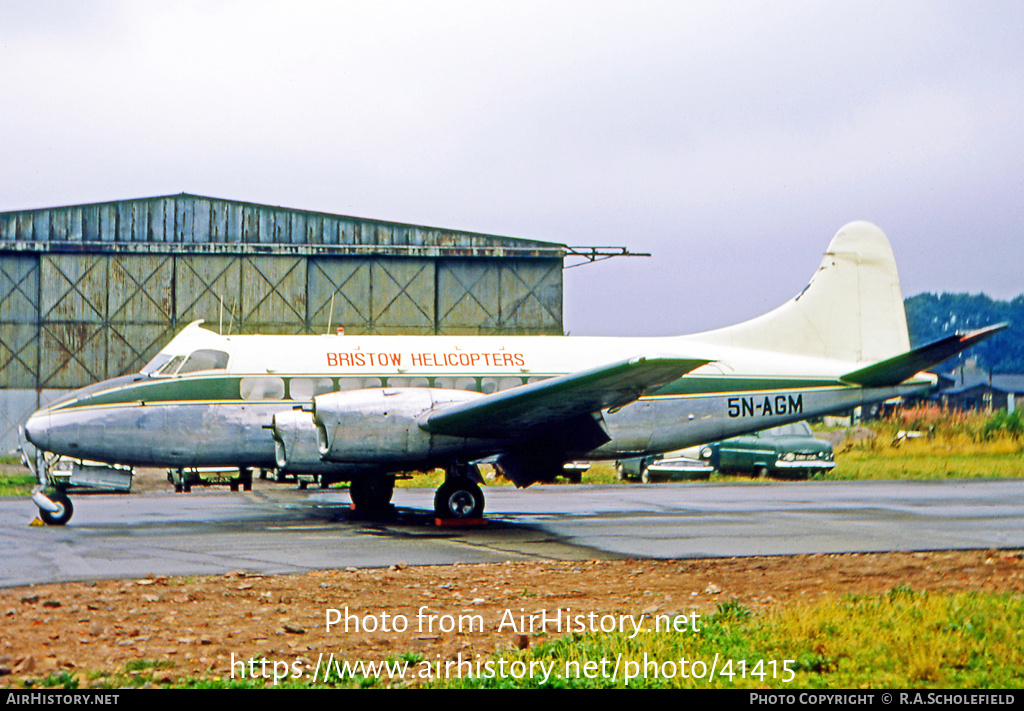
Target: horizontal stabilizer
x,y
540,408
893,371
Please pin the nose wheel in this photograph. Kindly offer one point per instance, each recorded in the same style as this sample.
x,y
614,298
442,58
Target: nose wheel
x,y
63,513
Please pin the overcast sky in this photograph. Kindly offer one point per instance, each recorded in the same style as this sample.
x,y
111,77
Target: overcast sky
x,y
729,139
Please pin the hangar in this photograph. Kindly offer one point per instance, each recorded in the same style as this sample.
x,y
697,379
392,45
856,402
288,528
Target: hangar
x,y
92,291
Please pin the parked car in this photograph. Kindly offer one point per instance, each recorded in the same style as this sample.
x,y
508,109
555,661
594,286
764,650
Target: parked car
x,y
662,467
788,450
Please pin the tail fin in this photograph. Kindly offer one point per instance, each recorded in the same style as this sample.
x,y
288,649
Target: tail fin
x,y
852,309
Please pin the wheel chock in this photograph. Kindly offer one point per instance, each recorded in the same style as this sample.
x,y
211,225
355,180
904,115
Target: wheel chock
x,y
460,522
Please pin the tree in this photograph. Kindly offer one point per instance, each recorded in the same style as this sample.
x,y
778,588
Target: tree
x,y
931,317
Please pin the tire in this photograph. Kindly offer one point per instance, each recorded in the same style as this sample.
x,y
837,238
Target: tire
x,y
645,476
761,472
621,471
58,518
459,499
371,493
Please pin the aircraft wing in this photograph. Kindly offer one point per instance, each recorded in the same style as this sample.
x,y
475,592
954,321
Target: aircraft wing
x,y
528,410
906,365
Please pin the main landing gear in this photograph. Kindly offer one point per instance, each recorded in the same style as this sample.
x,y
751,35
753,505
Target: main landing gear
x,y
460,497
372,492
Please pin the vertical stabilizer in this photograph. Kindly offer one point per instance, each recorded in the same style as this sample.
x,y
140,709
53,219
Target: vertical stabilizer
x,y
852,309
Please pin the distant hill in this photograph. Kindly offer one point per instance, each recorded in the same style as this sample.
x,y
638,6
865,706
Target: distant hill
x,y
931,316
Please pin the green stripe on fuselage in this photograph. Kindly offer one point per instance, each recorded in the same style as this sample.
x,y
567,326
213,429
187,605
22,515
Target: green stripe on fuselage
x,y
714,384
222,388
171,389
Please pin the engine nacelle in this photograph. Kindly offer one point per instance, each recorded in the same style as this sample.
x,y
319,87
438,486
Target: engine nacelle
x,y
295,447
380,425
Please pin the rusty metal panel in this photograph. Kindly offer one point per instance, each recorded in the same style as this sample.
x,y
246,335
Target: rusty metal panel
x,y
19,288
201,220
296,226
168,208
24,225
41,226
217,221
9,226
76,224
72,354
280,226
60,220
73,287
402,296
107,222
341,284
90,223
531,296
202,283
15,408
19,355
273,293
125,221
267,226
183,209
250,223
131,345
141,288
140,222
332,231
468,296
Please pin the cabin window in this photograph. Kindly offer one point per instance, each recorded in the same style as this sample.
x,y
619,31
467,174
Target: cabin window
x,y
456,384
205,359
466,384
492,385
306,389
262,388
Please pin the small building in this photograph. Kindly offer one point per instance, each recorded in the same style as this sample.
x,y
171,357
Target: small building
x,y
984,393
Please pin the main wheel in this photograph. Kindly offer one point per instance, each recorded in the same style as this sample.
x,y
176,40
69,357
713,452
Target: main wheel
x,y
371,493
459,499
61,516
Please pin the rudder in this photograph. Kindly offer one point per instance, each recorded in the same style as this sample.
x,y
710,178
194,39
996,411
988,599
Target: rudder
x,y
851,310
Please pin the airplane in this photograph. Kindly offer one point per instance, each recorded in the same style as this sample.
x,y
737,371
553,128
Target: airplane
x,y
363,408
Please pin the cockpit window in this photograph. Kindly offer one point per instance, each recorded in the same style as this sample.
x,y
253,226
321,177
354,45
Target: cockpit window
x,y
154,365
206,359
172,366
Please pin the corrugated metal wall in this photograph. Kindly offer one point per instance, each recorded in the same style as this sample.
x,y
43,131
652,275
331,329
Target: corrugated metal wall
x,y
197,220
90,292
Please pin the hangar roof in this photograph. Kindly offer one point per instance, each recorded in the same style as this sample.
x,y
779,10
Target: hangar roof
x,y
198,224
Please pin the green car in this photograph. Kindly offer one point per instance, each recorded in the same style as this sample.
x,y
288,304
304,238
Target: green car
x,y
786,451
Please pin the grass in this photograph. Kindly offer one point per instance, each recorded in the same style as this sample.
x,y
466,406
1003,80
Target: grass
x,y
16,484
899,640
948,445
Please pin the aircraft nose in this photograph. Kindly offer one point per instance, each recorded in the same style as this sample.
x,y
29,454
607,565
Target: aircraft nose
x,y
37,429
